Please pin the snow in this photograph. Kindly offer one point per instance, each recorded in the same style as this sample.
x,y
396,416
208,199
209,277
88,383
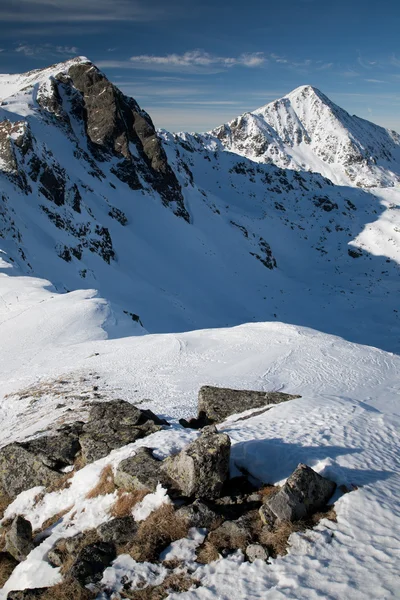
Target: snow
x,y
150,503
322,325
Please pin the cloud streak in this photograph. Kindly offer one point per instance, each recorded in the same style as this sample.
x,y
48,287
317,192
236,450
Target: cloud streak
x,y
193,61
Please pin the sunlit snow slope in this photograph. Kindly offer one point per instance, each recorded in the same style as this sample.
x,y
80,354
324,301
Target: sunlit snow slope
x,y
177,234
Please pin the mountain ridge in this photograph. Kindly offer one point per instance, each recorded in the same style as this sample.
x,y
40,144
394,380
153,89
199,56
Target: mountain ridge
x,y
175,232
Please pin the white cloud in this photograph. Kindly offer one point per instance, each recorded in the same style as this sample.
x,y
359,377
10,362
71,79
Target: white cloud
x,y
197,59
375,80
44,50
59,11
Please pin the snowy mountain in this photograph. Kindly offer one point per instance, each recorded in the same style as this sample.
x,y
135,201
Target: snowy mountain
x,y
176,234
141,265
306,131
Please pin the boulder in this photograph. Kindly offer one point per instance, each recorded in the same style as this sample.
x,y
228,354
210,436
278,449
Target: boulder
x,y
120,530
114,424
56,451
256,552
64,548
21,470
7,566
91,562
303,493
139,472
216,404
201,468
19,542
199,514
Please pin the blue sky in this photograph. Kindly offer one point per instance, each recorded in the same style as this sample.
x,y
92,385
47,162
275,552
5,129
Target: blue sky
x,y
193,65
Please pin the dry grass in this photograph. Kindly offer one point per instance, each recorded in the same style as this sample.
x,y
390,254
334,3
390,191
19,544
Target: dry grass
x,y
79,462
105,485
61,484
154,534
267,491
52,520
4,502
175,582
126,501
67,590
276,540
207,553
7,566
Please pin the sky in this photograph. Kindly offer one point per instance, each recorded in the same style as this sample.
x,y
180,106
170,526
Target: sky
x,y
195,64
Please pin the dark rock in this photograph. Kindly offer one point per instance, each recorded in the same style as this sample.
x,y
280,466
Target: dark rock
x,y
139,472
114,424
218,403
303,493
199,514
21,470
65,547
27,594
7,566
201,468
91,562
256,552
19,542
55,451
120,531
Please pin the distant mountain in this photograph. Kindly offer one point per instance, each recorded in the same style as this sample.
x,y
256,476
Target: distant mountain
x,y
181,231
305,130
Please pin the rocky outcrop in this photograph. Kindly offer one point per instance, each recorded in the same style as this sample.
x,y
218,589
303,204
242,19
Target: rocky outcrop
x,y
91,562
139,472
201,468
216,404
113,122
115,424
303,493
19,542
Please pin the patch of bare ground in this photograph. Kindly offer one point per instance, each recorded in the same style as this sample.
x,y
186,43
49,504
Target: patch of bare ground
x,y
155,533
7,566
105,485
277,540
175,582
69,589
125,502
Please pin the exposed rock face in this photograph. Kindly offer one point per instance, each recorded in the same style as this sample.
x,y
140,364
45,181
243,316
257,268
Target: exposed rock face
x,y
113,121
199,514
115,424
201,468
21,470
139,472
303,493
216,404
27,594
57,451
119,531
19,541
91,562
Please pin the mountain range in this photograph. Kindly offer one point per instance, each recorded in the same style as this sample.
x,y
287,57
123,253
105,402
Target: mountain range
x,y
287,213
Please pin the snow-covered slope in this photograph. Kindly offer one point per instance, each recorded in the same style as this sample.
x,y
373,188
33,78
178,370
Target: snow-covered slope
x,y
346,426
109,231
175,235
306,131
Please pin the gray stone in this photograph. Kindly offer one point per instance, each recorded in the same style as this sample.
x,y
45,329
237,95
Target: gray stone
x,y
303,493
91,562
216,404
21,470
201,468
55,451
230,535
120,531
114,424
19,542
256,552
139,472
198,514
